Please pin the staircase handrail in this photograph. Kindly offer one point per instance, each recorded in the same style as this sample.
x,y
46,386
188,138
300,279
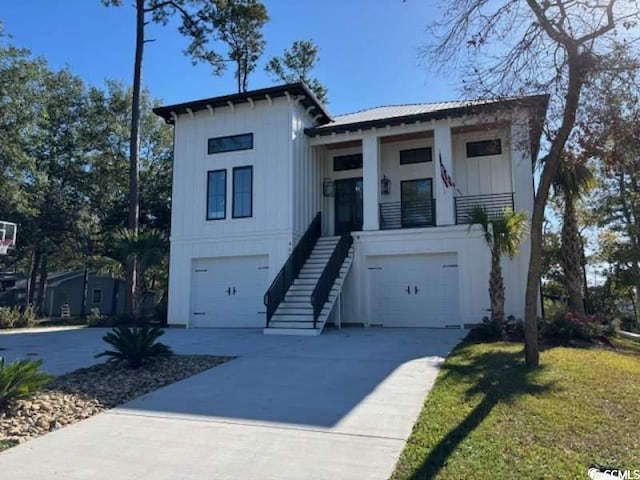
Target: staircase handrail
x,y
278,289
331,271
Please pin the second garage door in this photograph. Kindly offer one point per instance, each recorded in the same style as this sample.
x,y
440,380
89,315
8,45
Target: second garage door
x,y
414,290
229,291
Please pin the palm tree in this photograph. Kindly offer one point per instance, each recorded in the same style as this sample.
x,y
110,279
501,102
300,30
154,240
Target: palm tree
x,y
503,233
573,180
149,247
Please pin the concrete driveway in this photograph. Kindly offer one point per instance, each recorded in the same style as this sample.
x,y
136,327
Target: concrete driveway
x,y
337,406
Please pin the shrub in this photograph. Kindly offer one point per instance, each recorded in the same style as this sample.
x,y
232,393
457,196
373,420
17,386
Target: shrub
x,y
134,345
567,326
95,317
20,379
514,328
27,318
9,317
487,331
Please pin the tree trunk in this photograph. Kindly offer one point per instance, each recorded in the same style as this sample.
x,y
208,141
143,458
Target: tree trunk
x,y
85,287
42,285
114,297
134,148
496,292
549,171
571,250
33,275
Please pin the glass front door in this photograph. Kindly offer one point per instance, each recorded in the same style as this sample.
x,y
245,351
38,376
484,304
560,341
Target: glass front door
x,y
348,205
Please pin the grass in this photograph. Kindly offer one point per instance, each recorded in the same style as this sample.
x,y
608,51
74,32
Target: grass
x,y
4,444
489,417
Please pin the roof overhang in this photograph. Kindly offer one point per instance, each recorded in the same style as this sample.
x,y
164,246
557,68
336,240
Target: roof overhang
x,y
298,91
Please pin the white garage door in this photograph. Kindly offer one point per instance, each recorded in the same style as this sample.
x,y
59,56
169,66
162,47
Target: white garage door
x,y
229,292
414,290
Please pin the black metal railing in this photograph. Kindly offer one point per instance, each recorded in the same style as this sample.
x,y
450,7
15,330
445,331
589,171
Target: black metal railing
x,y
329,274
494,204
408,214
278,289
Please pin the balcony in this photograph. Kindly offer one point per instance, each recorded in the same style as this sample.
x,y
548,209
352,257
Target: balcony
x,y
409,214
493,204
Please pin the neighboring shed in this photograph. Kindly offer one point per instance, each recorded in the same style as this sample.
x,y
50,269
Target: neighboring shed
x,y
103,292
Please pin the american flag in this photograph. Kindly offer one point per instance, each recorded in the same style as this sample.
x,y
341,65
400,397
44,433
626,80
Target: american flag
x,y
446,179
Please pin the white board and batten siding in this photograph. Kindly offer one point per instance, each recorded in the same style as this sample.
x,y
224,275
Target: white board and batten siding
x,y
224,247
486,174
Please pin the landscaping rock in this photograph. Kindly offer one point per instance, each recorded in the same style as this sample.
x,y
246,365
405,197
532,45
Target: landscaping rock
x,y
86,392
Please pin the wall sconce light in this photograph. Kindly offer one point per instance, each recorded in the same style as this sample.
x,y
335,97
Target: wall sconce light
x,y
328,188
385,186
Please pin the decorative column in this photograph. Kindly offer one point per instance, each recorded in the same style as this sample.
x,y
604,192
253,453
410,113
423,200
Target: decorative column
x,y
443,152
371,182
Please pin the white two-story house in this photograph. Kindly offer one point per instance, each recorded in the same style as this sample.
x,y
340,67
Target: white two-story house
x,y
287,219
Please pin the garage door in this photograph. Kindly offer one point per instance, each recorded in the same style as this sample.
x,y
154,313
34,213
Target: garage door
x,y
414,290
228,292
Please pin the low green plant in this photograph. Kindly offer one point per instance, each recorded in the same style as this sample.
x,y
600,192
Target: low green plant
x,y
19,380
95,317
9,317
27,318
135,345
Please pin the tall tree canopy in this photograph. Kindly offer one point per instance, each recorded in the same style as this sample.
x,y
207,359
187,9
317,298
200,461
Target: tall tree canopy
x,y
512,47
296,65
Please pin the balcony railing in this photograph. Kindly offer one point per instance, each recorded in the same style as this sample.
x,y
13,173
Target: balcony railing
x,y
493,204
410,214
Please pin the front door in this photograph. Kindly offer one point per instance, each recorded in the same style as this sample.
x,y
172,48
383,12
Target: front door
x,y
348,205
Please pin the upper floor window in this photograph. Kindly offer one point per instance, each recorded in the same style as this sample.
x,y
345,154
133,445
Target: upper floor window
x,y
231,143
242,192
347,162
216,194
415,155
484,147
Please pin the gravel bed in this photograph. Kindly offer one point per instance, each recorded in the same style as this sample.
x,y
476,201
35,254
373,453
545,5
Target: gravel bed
x,y
86,392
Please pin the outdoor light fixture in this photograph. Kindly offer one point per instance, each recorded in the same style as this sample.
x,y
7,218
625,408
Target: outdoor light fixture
x,y
385,186
328,188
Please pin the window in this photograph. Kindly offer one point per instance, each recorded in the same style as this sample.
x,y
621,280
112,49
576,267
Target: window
x,y
347,162
96,296
230,144
417,204
242,192
484,147
415,155
216,195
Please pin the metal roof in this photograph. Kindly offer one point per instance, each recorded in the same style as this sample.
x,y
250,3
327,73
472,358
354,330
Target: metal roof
x,y
398,114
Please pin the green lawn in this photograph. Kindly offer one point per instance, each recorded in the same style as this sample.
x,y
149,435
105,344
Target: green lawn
x,y
489,417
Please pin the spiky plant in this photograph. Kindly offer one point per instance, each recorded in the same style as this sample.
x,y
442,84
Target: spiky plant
x,y
20,379
134,345
503,234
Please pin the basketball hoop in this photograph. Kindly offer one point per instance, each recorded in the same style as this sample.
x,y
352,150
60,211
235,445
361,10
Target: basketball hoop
x,y
8,232
4,247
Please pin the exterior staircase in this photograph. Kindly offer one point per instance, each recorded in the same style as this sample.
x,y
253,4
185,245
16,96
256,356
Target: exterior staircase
x,y
294,315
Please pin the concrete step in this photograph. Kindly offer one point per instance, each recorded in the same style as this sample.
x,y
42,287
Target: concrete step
x,y
296,303
309,332
312,275
305,281
286,310
299,318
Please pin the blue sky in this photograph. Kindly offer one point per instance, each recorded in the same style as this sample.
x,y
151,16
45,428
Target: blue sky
x,y
369,48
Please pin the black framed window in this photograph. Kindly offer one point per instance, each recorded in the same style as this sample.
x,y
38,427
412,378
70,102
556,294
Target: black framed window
x,y
216,194
242,192
416,155
230,143
347,162
484,147
417,204
96,296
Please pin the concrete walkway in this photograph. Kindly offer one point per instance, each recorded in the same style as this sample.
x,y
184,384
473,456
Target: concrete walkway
x,y
337,406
